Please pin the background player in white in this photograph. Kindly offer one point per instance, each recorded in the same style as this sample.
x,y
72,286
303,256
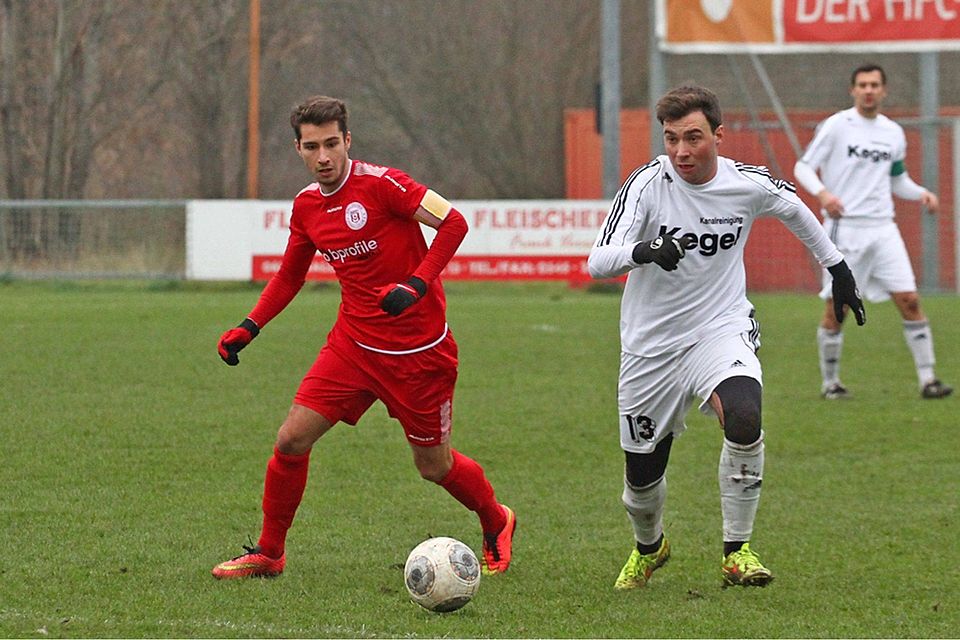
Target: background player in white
x,y
860,153
390,341
678,227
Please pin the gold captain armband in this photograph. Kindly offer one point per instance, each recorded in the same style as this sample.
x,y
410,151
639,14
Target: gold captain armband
x,y
436,204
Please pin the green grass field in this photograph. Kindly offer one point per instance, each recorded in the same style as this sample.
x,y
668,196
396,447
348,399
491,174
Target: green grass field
x,y
133,462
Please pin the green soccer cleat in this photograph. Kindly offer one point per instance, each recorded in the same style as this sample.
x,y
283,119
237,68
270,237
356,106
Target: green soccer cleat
x,y
640,567
743,567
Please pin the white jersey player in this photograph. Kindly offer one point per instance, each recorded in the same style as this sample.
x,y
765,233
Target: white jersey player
x,y
678,228
860,155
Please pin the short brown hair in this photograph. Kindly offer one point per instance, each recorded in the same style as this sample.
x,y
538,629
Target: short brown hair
x,y
867,68
684,100
319,110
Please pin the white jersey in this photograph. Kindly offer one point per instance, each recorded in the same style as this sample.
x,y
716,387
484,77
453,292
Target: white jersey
x,y
665,311
856,158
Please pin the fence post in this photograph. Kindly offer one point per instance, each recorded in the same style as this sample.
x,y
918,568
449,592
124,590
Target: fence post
x,y
956,201
930,129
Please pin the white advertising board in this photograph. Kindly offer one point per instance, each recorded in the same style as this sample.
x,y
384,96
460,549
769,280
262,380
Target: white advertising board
x,y
508,239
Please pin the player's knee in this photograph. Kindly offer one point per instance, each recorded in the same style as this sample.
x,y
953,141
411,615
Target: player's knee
x,y
742,424
644,469
293,439
432,471
433,463
293,444
909,303
741,401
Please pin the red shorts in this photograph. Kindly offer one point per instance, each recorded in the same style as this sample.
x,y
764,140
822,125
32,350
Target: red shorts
x,y
417,388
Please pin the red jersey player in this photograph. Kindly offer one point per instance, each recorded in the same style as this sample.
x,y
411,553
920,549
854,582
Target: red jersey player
x,y
390,340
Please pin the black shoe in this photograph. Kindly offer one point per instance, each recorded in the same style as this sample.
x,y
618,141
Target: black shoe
x,y
936,389
835,391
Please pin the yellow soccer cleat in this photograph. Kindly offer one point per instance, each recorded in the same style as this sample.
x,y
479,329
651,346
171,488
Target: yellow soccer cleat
x,y
743,567
640,567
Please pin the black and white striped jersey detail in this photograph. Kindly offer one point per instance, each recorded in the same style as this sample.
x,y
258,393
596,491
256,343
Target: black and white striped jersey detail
x,y
752,336
652,169
760,170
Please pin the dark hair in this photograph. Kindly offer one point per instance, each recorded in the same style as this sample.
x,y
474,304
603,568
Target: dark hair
x,y
867,68
319,110
683,101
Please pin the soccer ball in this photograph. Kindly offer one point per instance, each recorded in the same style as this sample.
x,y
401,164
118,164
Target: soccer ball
x,y
441,574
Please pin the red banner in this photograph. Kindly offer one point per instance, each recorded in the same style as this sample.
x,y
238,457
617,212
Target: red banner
x,y
565,268
783,26
850,21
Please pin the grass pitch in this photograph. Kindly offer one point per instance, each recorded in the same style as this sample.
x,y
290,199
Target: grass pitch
x,y
133,462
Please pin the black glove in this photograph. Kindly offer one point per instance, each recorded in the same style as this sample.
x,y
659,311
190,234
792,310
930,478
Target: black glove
x,y
395,298
236,339
845,292
665,250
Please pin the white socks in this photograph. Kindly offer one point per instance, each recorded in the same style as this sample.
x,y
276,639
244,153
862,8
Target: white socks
x,y
920,341
830,344
645,509
916,333
740,475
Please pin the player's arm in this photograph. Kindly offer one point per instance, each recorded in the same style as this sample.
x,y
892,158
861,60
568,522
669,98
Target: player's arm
x,y
904,187
621,253
280,290
804,225
619,246
807,177
812,160
437,213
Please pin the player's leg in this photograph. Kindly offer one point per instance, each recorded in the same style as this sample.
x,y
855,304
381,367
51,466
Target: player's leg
x,y
419,393
829,349
332,390
465,480
858,246
728,377
644,496
286,476
652,403
894,273
283,486
919,338
737,402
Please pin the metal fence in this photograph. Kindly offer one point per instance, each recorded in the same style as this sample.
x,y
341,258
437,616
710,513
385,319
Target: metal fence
x,y
79,239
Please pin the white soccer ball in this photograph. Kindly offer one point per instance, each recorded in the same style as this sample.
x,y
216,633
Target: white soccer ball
x,y
442,574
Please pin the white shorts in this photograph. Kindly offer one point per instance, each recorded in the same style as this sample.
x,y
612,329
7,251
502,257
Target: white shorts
x,y
877,256
654,394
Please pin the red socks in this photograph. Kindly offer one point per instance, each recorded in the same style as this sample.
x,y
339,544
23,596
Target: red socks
x,y
282,492
467,483
287,477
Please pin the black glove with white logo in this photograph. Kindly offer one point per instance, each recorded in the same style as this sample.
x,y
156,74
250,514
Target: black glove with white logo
x,y
845,293
664,250
395,298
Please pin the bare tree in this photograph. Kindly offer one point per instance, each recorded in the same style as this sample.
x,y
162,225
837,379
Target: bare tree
x,y
477,89
70,82
74,75
209,68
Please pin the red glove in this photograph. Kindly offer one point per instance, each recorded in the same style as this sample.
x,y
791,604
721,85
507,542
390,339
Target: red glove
x,y
395,298
236,339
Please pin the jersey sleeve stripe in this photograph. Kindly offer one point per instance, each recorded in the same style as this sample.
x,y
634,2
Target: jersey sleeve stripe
x,y
619,203
764,172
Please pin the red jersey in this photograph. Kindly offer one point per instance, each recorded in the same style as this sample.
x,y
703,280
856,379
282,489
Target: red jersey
x,y
366,231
